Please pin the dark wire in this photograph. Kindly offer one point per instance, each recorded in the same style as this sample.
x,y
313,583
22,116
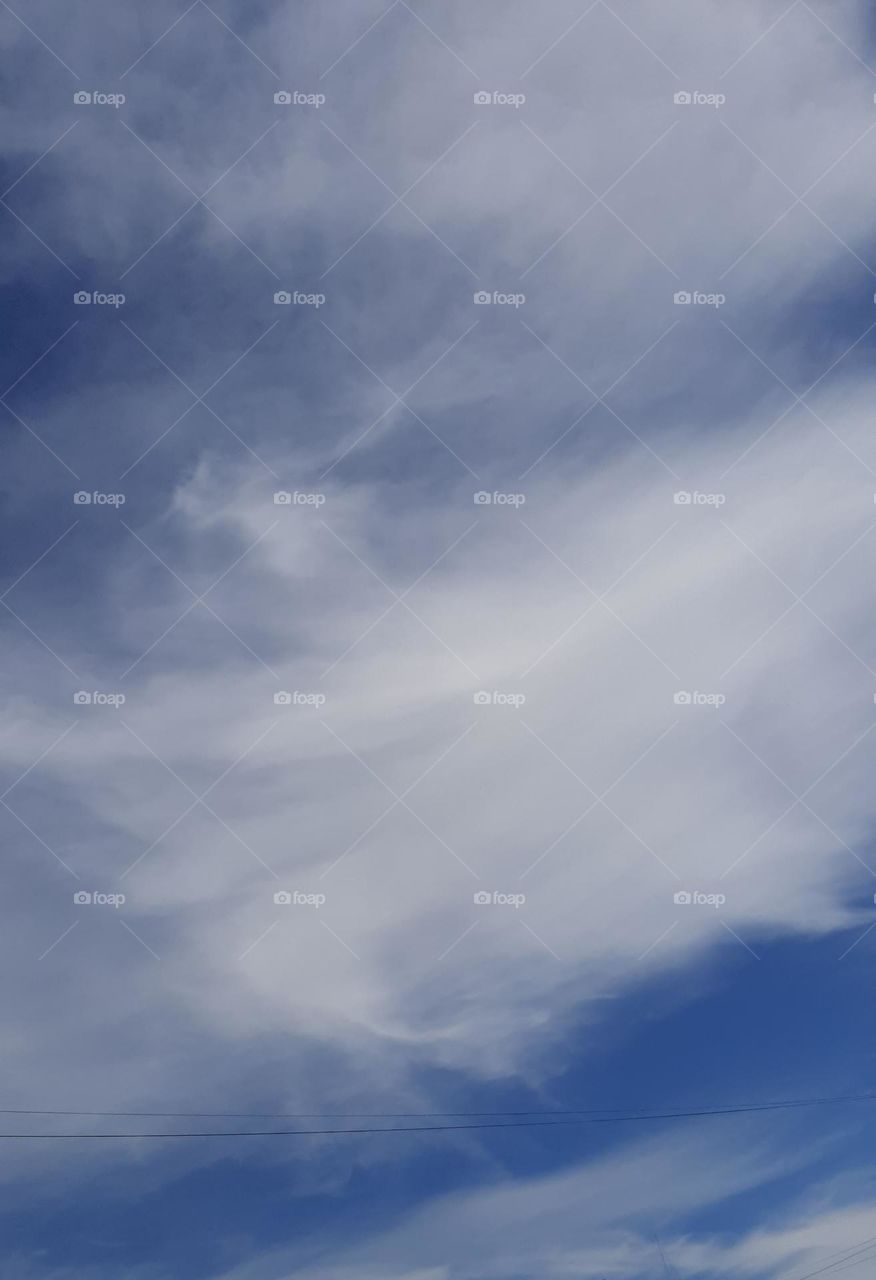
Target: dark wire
x,y
621,1112
841,1258
441,1128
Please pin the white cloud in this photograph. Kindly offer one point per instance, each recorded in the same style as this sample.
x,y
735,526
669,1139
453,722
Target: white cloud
x,y
401,968
599,1219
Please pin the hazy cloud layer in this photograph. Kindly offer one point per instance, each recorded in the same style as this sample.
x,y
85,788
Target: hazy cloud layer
x,y
560,595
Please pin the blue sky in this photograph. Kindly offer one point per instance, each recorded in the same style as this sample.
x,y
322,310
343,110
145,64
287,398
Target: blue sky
x,y
546,695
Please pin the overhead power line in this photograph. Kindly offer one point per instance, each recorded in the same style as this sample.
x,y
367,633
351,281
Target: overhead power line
x,y
719,1108
562,1123
851,1256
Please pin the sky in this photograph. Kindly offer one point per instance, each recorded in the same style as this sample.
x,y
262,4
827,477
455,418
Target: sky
x,y
439,674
